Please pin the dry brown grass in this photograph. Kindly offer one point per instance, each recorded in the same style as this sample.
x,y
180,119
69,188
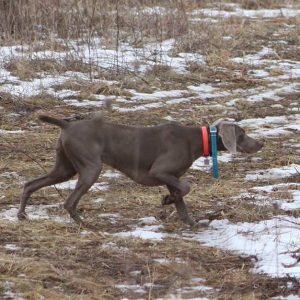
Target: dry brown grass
x,y
36,19
57,261
21,104
27,69
270,4
226,38
88,89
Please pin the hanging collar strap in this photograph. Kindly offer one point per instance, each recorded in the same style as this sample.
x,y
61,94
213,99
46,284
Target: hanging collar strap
x,y
214,150
205,141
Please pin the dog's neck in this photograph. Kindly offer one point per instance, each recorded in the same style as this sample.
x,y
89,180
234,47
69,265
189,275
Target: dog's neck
x,y
220,145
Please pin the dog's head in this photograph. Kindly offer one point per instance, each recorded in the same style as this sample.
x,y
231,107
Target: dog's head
x,y
235,139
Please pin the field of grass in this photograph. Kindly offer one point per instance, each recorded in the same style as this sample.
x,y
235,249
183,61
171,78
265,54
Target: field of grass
x,y
153,61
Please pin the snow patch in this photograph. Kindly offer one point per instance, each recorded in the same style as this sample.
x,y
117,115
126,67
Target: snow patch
x,y
71,184
200,165
147,221
146,233
271,241
274,173
111,174
248,13
266,195
34,212
3,131
132,287
12,247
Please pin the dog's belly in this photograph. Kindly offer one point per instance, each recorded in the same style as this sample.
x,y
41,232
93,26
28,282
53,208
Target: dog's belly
x,y
143,177
146,179
138,171
140,176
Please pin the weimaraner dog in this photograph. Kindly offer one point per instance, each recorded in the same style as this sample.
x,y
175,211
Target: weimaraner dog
x,y
151,156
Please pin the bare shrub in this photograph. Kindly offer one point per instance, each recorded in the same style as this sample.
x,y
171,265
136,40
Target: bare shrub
x,y
88,89
19,104
27,69
30,20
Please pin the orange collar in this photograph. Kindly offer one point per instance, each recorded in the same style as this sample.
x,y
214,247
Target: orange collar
x,y
205,140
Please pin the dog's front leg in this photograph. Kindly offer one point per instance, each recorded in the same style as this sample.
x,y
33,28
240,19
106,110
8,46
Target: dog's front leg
x,y
178,189
170,199
182,212
175,198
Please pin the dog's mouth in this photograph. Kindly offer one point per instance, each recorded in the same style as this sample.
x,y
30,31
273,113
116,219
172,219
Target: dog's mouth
x,y
251,150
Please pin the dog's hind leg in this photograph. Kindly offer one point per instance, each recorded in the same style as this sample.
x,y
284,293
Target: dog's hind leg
x,y
87,162
62,171
87,177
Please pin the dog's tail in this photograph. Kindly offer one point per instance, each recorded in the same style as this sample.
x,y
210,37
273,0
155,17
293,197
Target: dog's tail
x,y
58,122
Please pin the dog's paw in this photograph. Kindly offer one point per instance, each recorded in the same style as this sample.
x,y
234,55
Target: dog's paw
x,y
22,216
168,199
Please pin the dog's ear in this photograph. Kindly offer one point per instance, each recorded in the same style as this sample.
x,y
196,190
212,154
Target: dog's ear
x,y
228,136
218,122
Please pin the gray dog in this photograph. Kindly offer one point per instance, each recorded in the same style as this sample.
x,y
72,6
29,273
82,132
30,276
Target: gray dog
x,y
151,156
